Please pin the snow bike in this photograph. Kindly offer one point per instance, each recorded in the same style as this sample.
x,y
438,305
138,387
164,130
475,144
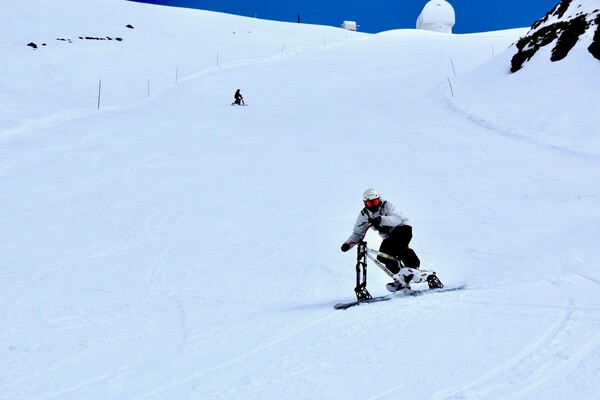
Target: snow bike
x,y
239,102
399,284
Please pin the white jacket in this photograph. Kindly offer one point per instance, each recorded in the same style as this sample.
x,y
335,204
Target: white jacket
x,y
389,220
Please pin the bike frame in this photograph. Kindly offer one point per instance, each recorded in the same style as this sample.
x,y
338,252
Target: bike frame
x,y
362,252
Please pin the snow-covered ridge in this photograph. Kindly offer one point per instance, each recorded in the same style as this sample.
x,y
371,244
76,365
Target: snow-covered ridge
x,y
567,23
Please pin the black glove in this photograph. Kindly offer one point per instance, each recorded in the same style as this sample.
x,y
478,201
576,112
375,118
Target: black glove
x,y
345,247
375,221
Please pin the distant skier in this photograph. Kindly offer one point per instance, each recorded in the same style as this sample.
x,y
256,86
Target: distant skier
x,y
381,215
239,99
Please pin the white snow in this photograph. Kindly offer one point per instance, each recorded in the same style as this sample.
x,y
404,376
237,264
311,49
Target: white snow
x,y
175,247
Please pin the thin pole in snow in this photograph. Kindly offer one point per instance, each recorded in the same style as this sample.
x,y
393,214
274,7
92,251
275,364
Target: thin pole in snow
x,y
282,47
453,70
450,84
148,87
99,91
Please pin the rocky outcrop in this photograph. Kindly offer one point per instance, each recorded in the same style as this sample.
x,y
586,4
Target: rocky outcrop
x,y
99,38
562,28
594,48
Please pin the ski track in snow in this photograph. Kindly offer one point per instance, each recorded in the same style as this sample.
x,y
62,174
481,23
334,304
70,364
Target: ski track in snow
x,y
586,277
543,362
272,331
442,98
85,189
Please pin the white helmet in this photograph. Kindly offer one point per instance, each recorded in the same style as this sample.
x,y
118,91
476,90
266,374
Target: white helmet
x,y
370,194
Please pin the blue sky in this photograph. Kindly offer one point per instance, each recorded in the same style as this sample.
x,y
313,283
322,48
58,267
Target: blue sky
x,y
380,15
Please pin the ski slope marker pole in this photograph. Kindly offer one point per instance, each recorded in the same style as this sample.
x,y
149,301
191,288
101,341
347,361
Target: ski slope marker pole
x,y
99,90
450,83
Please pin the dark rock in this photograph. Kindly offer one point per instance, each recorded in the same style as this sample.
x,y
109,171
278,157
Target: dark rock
x,y
562,7
569,37
594,48
542,21
564,33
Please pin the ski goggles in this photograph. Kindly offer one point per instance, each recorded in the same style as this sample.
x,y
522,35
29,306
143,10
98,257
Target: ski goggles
x,y
372,203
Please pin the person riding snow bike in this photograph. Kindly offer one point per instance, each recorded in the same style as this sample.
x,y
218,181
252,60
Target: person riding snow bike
x,y
239,99
381,215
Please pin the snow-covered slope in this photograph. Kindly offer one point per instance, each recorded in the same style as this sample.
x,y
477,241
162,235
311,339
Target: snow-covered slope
x,y
175,247
80,43
537,102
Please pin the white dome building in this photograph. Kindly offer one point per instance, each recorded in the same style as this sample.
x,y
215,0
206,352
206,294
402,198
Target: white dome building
x,y
437,16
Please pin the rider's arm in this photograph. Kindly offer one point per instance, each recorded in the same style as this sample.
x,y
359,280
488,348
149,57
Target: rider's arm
x,y
360,229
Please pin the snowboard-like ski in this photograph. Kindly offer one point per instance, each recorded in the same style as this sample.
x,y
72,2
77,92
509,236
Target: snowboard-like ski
x,y
406,292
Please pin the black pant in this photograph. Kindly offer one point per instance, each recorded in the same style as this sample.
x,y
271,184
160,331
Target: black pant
x,y
396,244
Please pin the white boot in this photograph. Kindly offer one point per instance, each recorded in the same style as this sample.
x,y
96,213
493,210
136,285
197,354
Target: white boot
x,y
404,278
410,275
